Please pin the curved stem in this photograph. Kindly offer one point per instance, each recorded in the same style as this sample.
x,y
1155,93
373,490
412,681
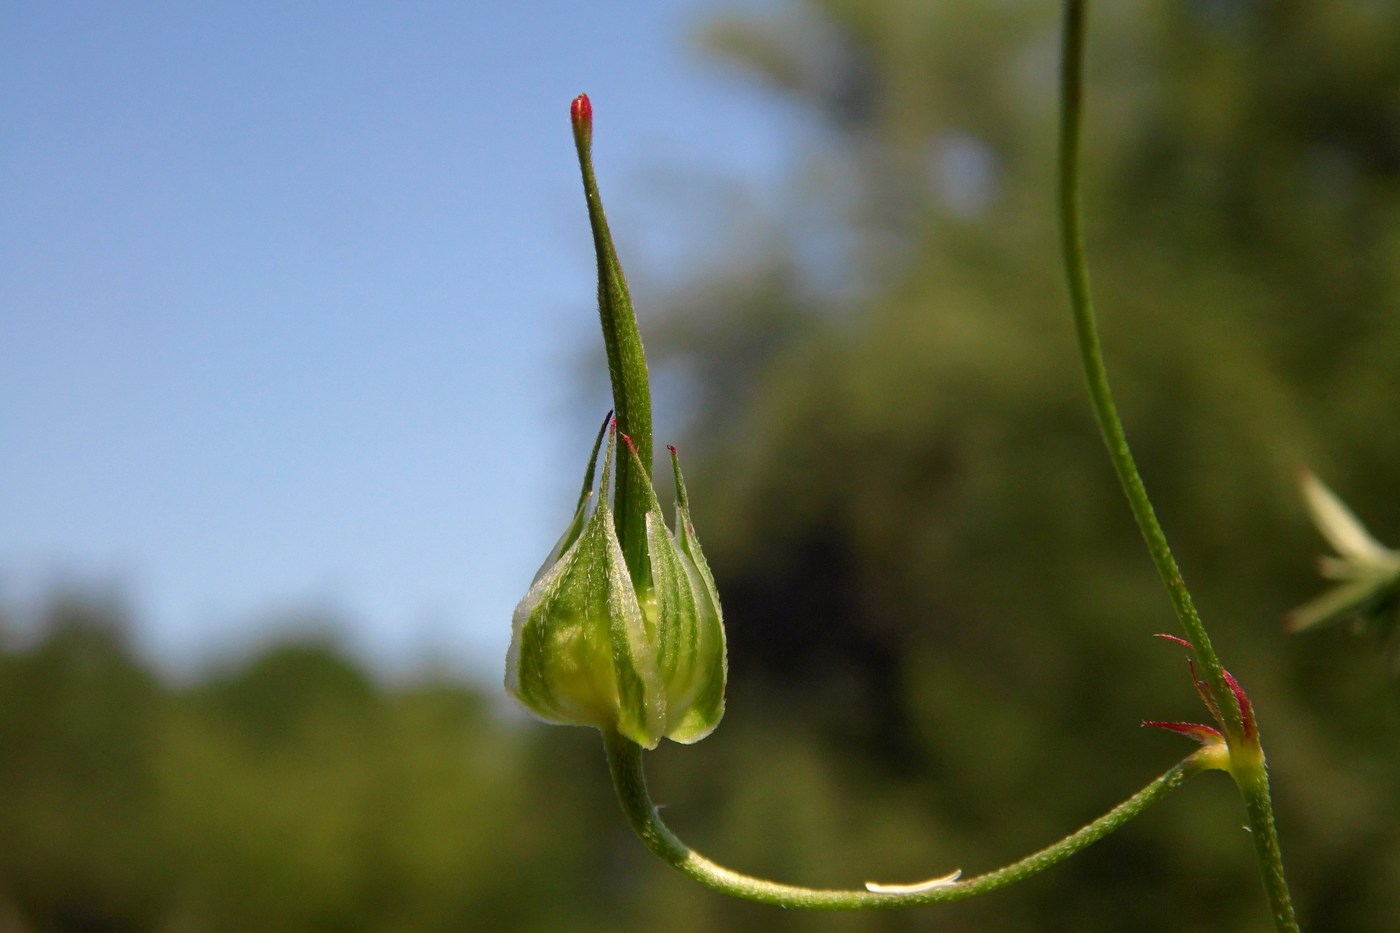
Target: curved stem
x,y
625,762
1246,755
1091,355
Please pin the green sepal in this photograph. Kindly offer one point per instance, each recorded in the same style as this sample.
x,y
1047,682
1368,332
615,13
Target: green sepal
x,y
685,531
580,652
685,624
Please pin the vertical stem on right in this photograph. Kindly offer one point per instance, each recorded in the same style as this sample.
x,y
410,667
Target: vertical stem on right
x,y
1091,355
1246,755
1253,783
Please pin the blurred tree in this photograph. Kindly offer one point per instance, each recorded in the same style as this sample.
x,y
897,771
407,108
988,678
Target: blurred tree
x,y
287,792
298,795
76,780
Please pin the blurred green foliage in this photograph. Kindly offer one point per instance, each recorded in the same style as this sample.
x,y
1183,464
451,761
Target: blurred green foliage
x,y
938,608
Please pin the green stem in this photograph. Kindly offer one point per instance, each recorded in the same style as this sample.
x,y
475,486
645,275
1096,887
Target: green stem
x,y
627,364
1253,783
625,762
1091,355
1246,755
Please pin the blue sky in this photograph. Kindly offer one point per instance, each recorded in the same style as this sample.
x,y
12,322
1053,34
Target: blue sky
x,y
298,298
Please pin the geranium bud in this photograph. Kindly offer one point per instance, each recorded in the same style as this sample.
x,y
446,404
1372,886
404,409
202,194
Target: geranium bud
x,y
591,647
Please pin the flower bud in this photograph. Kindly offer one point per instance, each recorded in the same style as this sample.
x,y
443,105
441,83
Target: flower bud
x,y
591,647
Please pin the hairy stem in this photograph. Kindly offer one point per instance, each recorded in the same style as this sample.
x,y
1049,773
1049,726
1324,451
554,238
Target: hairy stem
x,y
1253,783
1246,755
1091,356
625,762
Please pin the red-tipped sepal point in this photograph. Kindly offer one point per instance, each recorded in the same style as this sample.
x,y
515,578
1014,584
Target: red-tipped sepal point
x,y
1203,688
1246,708
1192,730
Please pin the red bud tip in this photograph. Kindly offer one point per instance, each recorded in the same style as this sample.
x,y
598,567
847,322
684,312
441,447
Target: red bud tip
x,y
631,446
581,112
671,448
612,423
1179,641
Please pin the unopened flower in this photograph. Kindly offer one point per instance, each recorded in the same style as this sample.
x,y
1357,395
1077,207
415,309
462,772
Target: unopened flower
x,y
593,645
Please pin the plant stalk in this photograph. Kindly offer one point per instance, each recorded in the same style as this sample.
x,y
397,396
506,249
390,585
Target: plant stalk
x,y
625,763
1246,755
1095,373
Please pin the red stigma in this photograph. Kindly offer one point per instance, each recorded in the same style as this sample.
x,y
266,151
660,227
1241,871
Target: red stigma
x,y
581,111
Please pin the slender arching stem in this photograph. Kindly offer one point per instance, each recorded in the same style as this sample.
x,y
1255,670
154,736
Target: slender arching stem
x,y
625,762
